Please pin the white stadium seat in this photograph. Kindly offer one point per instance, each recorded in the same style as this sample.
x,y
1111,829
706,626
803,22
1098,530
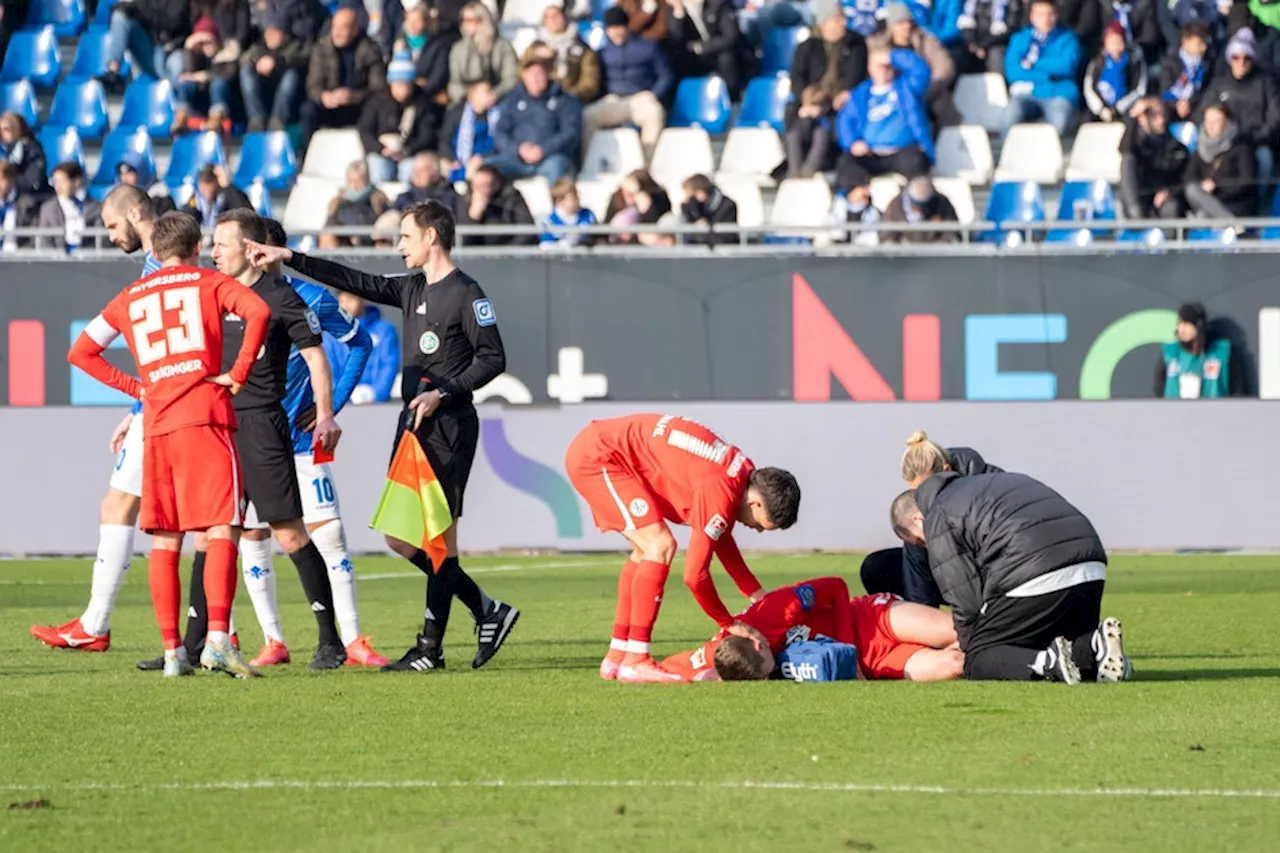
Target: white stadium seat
x,y
801,202
393,189
1095,155
594,195
960,194
522,37
752,152
1031,152
885,188
964,152
331,152
525,12
615,151
745,192
308,205
536,193
681,152
981,99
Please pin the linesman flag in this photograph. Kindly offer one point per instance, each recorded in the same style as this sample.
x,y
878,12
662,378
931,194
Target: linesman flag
x,y
413,507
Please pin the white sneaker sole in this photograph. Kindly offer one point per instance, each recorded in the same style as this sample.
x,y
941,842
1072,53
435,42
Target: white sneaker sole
x,y
1068,672
1114,666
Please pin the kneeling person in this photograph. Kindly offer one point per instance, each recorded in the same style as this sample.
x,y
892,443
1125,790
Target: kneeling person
x,y
895,639
1023,571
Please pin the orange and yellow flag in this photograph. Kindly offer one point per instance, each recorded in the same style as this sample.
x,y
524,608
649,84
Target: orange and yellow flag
x,y
413,507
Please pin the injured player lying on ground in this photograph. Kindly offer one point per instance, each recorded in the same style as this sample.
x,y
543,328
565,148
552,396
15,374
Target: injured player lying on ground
x,y
894,639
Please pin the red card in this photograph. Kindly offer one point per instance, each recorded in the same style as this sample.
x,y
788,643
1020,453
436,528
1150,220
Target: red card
x,y
319,455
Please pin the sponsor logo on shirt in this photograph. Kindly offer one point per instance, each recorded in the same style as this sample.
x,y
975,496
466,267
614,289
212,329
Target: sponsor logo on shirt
x,y
716,527
191,365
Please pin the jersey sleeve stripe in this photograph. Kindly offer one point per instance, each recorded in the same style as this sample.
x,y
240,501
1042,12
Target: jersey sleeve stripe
x,y
102,332
355,327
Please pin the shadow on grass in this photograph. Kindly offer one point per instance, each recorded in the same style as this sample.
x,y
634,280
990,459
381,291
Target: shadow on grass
x,y
1204,674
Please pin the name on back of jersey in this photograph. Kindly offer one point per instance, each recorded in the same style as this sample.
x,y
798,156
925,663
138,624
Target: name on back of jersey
x,y
176,278
191,365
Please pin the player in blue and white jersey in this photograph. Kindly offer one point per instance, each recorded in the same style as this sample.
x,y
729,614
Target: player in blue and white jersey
x,y
320,509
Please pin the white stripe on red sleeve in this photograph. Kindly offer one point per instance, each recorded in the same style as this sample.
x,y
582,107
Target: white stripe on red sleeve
x,y
102,332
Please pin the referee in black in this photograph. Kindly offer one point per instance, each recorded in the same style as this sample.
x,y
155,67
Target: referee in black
x,y
451,347
263,438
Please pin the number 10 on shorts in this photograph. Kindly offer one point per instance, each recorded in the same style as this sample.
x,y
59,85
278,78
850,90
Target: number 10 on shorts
x,y
324,490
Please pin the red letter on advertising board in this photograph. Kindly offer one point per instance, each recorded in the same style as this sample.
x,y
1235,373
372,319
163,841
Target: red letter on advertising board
x,y
26,363
823,349
921,357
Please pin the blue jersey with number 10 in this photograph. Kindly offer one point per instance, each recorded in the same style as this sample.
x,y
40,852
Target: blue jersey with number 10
x,y
342,327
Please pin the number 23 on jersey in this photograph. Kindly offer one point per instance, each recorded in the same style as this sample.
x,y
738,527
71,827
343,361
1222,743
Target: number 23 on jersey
x,y
153,313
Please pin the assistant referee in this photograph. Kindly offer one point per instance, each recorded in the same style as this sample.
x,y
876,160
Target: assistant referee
x,y
451,347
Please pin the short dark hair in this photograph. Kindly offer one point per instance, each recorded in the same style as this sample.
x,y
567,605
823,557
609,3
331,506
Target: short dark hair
x,y
207,175
900,511
70,170
124,197
1195,30
737,659
175,235
251,225
780,494
697,184
276,235
434,215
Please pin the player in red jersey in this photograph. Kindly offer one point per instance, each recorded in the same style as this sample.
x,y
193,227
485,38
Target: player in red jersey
x,y
895,639
639,472
172,321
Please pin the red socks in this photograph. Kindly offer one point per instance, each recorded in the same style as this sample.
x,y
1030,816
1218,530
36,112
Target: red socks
x,y
220,583
622,615
646,599
166,594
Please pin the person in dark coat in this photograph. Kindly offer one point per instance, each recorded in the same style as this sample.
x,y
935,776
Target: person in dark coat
x,y
1222,177
1023,571
426,183
396,123
920,202
824,71
706,206
905,571
1152,164
345,68
18,145
539,127
703,39
492,201
1253,99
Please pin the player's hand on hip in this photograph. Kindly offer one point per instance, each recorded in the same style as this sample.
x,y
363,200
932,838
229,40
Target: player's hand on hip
x,y
118,434
225,380
327,433
424,406
262,255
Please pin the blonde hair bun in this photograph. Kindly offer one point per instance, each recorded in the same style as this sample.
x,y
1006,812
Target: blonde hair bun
x,y
917,438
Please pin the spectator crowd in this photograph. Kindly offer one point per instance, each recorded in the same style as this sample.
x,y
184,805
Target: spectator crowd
x,y
444,102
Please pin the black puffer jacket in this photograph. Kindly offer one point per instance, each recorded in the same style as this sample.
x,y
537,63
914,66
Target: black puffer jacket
x,y
990,533
967,462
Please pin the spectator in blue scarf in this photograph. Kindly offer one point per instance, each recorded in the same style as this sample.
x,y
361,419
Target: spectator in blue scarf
x,y
468,133
566,210
1041,66
1116,77
985,27
1185,71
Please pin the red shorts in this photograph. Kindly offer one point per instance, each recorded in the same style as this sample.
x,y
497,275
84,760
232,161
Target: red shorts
x,y
880,653
618,498
191,480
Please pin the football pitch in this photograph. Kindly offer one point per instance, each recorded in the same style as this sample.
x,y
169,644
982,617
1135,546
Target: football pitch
x,y
535,753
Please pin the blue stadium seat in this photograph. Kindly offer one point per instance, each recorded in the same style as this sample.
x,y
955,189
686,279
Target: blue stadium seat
x,y
1085,201
267,157
148,103
33,55
765,102
259,197
80,104
91,57
1187,133
191,152
1012,201
66,16
701,102
779,46
102,14
119,142
1272,233
1224,236
1075,236
1150,236
60,145
18,97
598,8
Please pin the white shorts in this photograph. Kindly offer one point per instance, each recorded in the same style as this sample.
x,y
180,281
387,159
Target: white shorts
x,y
319,494
127,476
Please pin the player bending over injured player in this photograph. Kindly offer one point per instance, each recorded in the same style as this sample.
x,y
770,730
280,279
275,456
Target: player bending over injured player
x,y
895,639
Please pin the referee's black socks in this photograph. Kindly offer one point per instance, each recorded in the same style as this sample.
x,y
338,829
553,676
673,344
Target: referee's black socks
x,y
315,584
442,586
197,611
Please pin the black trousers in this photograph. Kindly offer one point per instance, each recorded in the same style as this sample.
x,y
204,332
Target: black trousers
x,y
857,171
902,571
1011,633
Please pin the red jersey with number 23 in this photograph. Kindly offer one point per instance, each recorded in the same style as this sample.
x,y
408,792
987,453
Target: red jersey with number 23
x,y
172,322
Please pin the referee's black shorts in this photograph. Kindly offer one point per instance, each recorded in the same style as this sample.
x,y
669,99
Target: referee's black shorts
x,y
449,438
266,457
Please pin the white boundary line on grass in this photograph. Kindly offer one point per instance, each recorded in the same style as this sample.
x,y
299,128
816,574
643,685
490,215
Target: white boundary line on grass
x,y
519,784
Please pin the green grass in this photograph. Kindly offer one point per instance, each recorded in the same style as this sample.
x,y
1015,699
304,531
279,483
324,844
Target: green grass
x,y
132,761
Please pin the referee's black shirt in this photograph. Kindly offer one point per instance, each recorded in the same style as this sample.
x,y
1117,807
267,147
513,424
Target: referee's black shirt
x,y
292,323
450,333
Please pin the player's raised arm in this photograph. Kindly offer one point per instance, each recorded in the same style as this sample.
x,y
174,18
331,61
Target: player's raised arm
x,y
480,323
86,354
731,558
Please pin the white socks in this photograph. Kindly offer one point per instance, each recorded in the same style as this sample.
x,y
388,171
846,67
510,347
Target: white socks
x,y
332,545
260,581
115,550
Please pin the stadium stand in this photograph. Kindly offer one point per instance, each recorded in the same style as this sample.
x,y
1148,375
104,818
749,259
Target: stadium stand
x,y
81,104
18,97
33,55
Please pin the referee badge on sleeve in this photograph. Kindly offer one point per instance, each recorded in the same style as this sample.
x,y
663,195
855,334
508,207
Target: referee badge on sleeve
x,y
313,322
485,315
